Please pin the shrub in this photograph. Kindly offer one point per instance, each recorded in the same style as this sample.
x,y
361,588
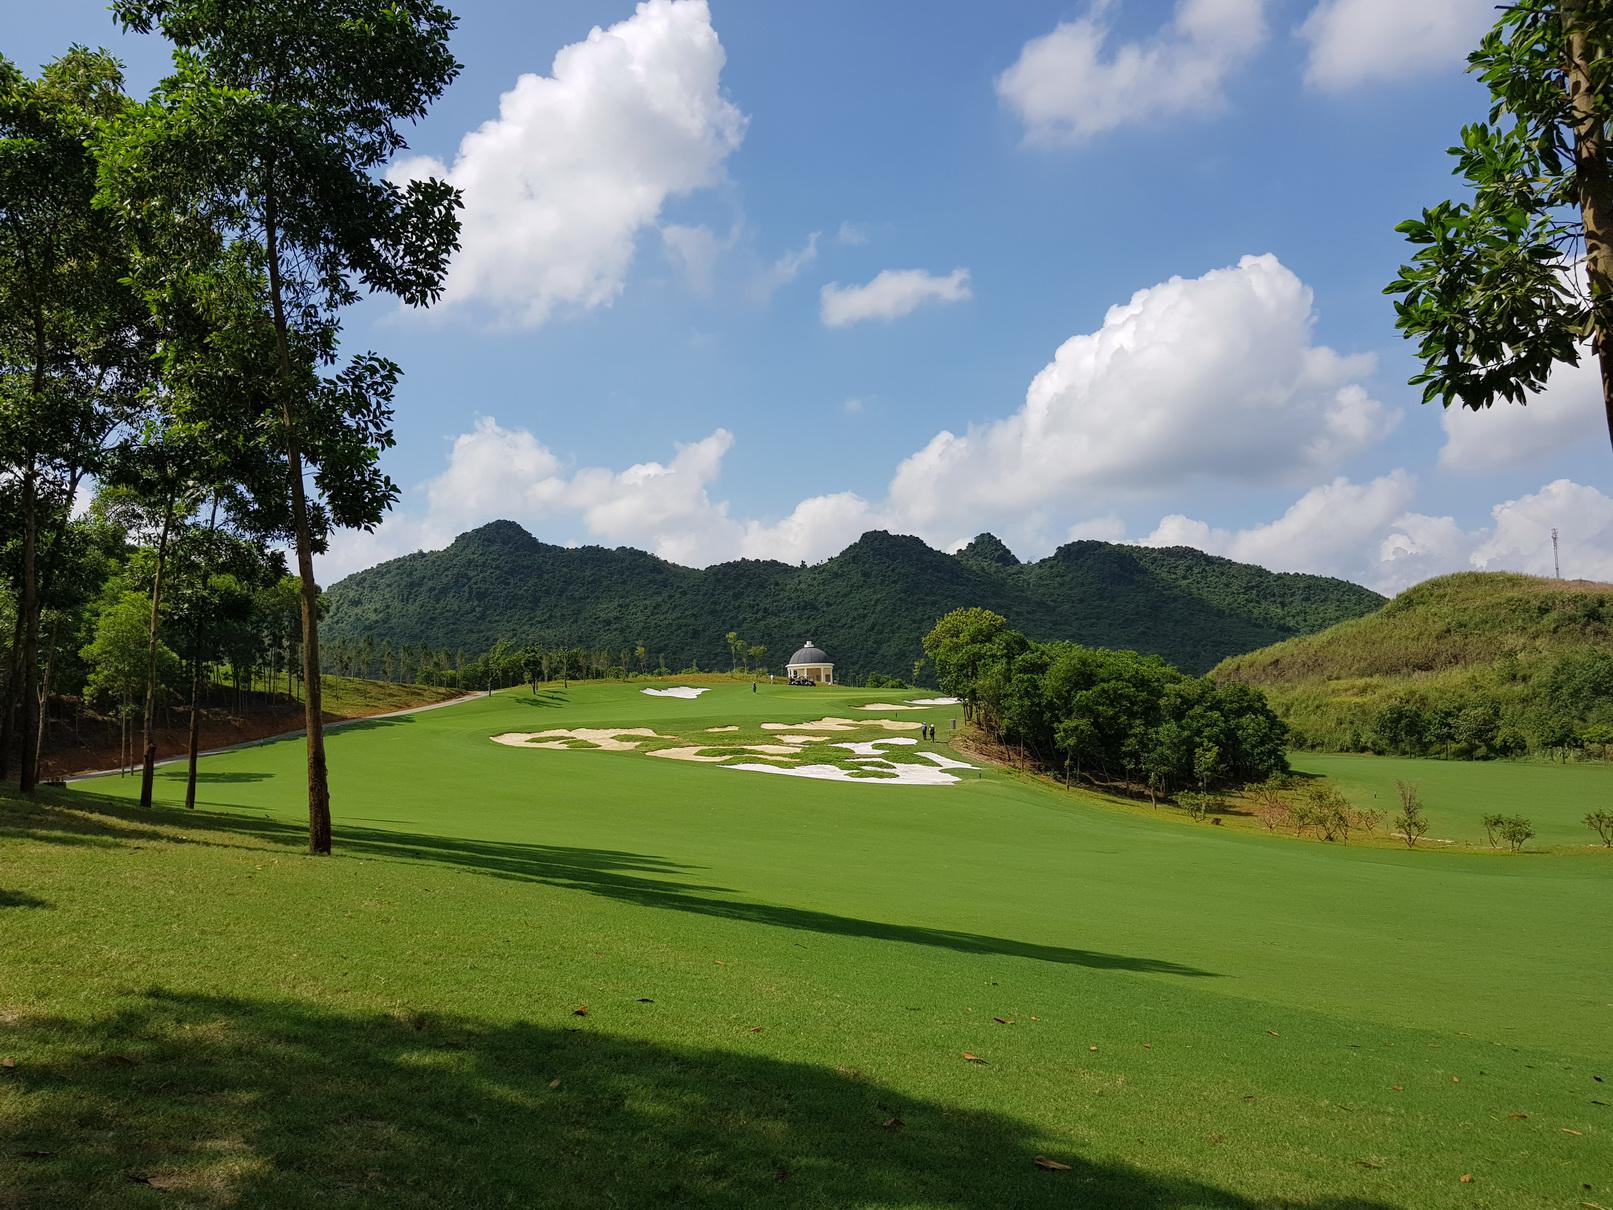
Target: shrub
x,y
1492,828
1410,822
1198,805
1329,812
1270,805
1515,831
1601,822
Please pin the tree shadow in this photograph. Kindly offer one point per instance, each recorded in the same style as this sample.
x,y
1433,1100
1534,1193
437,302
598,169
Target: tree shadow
x,y
21,899
179,775
636,878
546,698
232,1101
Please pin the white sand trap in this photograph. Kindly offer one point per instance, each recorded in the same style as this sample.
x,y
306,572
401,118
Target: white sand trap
x,y
603,740
693,754
885,706
935,701
844,724
871,747
945,762
715,730
906,775
676,691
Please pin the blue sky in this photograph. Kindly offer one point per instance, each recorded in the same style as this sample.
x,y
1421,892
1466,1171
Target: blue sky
x,y
752,278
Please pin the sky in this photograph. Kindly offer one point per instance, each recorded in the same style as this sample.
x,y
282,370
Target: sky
x,y
747,280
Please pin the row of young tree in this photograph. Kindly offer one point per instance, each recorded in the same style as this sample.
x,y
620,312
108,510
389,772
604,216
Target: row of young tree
x,y
506,664
172,276
1115,718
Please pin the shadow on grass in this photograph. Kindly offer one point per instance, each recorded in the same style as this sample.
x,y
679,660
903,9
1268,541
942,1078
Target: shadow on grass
x,y
21,899
547,698
179,774
230,1101
639,879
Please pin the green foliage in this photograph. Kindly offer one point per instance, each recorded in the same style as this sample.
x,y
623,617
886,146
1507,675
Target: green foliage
x,y
1410,823
1199,804
117,654
1476,665
870,606
1492,294
1516,831
1601,822
1114,715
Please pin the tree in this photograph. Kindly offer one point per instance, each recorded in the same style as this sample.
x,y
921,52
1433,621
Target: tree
x,y
1516,830
71,353
1601,822
1492,828
1410,822
1493,296
273,126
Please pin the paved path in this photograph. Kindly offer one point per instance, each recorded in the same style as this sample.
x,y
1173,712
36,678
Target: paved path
x,y
275,739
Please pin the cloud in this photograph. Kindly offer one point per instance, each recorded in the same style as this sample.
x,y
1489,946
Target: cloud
x,y
578,163
852,235
1208,378
787,267
1215,378
1078,81
891,295
852,406
1568,414
1362,532
1356,42
694,250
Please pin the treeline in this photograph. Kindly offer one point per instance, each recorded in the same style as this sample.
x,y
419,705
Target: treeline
x,y
173,272
1116,718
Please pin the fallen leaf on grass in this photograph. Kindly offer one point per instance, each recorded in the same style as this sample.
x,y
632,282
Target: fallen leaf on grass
x,y
1456,1079
1273,1033
580,1012
1397,1088
8,1062
555,1083
1251,1099
1002,1020
1570,1130
1035,1018
1148,1046
1048,1165
969,1058
1092,1048
718,962
756,1029
892,1124
1518,1117
1467,1178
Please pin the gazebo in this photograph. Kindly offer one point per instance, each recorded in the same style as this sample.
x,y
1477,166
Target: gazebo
x,y
811,664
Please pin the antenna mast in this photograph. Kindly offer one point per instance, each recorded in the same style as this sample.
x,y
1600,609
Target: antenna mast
x,y
1556,564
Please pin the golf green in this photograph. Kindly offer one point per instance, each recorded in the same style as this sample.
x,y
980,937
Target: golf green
x,y
572,977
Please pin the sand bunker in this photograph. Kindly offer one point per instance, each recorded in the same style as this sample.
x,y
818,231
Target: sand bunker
x,y
715,730
902,775
677,691
693,754
935,701
844,724
920,703
872,747
606,741
706,754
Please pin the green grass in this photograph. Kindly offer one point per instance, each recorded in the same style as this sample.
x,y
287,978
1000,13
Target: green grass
x,y
773,969
356,697
1555,798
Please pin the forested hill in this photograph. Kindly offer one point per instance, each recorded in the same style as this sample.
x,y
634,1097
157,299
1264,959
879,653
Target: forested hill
x,y
1474,664
869,606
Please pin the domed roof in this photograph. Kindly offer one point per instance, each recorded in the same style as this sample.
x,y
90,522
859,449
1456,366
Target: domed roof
x,y
810,655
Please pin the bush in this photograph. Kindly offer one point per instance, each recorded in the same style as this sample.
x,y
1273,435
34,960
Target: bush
x,y
1410,822
1492,828
1328,811
1515,831
1601,822
1271,804
1198,805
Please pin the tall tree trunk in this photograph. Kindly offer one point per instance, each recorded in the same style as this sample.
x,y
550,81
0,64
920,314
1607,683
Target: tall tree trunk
x,y
44,686
8,706
1595,185
28,763
148,740
198,636
319,839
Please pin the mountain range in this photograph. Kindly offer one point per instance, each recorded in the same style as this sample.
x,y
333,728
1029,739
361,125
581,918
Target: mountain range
x,y
869,606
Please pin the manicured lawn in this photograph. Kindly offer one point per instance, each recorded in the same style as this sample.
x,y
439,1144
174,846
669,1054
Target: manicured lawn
x,y
1555,798
781,978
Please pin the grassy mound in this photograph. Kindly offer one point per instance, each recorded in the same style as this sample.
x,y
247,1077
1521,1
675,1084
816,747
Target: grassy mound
x,y
549,978
1524,651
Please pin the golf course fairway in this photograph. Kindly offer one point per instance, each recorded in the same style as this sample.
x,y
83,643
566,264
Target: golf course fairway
x,y
595,978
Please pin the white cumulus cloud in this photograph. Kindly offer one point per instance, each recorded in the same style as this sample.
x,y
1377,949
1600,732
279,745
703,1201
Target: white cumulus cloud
x,y
1356,42
1079,80
1568,414
891,295
1214,377
578,163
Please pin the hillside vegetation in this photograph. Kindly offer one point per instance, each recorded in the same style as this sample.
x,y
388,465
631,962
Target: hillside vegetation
x,y
869,606
1475,664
